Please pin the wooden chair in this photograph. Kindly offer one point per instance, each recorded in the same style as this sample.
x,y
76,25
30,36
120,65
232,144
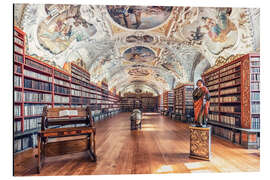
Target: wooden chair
x,y
62,116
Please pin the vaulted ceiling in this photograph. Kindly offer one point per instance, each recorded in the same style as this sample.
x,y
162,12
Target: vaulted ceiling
x,y
151,48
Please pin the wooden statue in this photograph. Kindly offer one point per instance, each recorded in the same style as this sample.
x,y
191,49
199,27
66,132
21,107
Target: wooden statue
x,y
201,97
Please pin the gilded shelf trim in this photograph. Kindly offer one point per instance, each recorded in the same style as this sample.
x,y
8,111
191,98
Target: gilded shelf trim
x,y
220,61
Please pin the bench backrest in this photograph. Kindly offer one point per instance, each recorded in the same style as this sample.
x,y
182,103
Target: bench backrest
x,y
66,116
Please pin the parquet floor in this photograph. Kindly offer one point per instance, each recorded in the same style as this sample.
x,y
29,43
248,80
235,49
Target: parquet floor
x,y
161,146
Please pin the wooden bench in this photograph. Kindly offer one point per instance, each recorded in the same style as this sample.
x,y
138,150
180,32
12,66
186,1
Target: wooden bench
x,y
67,139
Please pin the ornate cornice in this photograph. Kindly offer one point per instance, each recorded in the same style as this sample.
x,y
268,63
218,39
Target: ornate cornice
x,y
220,61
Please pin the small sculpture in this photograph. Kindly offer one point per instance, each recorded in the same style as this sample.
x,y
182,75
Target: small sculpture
x,y
136,119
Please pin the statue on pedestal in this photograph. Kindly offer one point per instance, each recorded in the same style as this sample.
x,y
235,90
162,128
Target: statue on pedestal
x,y
201,97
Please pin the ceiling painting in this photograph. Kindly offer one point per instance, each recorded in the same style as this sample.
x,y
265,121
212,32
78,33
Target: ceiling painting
x,y
139,54
62,25
139,17
212,27
147,48
138,39
138,72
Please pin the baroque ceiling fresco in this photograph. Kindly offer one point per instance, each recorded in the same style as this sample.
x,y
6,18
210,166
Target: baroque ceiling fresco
x,y
138,48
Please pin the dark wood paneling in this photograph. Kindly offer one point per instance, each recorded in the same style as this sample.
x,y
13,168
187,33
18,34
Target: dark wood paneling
x,y
64,147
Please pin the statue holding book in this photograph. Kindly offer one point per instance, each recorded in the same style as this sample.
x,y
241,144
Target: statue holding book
x,y
201,97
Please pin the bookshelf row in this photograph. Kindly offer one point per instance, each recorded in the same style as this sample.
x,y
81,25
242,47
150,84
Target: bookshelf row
x,y
146,104
168,100
234,109
183,102
235,99
160,103
38,84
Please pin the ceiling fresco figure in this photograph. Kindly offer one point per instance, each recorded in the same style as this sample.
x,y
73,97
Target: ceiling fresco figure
x,y
139,54
153,45
138,72
139,17
219,29
196,35
62,25
211,28
144,38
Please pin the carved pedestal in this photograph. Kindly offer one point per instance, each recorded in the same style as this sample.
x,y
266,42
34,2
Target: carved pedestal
x,y
200,142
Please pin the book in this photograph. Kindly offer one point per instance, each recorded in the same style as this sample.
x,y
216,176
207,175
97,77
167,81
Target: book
x,y
17,81
61,89
38,66
25,142
18,58
37,75
17,145
30,96
18,49
17,69
32,123
68,113
236,102
17,96
18,41
61,75
34,109
38,85
17,126
17,110
61,99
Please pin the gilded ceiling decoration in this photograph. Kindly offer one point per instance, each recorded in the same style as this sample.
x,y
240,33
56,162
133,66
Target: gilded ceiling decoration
x,y
138,72
139,38
151,48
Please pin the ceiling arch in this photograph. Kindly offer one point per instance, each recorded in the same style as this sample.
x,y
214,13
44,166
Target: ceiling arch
x,y
142,88
180,45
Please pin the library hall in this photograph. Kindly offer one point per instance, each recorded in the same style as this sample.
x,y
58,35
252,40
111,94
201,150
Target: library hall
x,y
135,89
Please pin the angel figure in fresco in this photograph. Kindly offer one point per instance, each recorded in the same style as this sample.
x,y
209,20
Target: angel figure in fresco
x,y
137,12
196,36
56,31
201,97
219,28
138,54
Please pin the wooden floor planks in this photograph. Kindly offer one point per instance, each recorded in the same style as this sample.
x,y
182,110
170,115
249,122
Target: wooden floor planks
x,y
161,146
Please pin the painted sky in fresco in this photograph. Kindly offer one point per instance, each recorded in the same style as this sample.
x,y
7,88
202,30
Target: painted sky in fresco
x,y
139,54
139,17
63,25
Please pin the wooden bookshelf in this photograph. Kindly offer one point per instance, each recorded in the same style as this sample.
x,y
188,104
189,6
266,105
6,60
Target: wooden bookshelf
x,y
80,80
160,104
18,90
62,87
183,102
102,102
37,84
168,100
145,102
234,86
37,88
126,104
149,104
